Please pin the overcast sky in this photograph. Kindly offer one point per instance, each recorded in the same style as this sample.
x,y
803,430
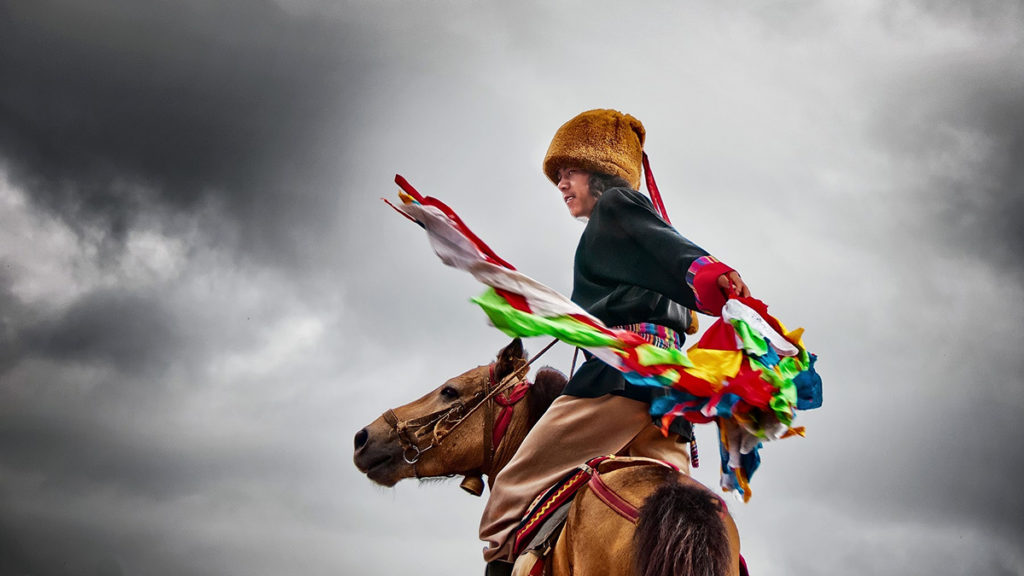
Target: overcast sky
x,y
202,297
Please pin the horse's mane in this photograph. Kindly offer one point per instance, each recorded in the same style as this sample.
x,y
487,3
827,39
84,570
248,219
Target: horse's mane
x,y
547,385
681,531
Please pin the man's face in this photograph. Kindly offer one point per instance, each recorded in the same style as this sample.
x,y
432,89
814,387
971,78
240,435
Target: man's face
x,y
574,184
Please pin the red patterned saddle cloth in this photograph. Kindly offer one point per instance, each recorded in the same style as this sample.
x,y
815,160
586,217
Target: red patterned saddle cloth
x,y
548,512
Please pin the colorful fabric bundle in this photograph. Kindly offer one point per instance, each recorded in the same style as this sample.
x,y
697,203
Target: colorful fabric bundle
x,y
755,400
748,372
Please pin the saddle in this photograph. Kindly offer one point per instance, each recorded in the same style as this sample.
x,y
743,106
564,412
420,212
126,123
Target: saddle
x,y
548,512
536,534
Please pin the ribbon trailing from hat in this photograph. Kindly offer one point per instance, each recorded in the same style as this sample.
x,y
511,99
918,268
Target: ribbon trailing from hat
x,y
748,372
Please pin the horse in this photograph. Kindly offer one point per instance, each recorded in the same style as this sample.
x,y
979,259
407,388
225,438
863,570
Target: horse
x,y
454,431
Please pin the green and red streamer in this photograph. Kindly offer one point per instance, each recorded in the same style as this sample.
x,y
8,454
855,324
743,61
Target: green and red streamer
x,y
747,373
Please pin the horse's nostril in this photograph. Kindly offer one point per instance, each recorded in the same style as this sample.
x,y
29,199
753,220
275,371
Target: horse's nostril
x,y
361,437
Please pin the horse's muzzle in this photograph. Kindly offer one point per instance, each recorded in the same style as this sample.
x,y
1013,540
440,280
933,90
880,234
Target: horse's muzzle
x,y
361,437
378,454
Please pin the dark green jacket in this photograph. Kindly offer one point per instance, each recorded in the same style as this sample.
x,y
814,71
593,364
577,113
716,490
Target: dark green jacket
x,y
631,266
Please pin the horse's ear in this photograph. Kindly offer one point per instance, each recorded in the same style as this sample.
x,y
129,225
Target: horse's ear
x,y
510,358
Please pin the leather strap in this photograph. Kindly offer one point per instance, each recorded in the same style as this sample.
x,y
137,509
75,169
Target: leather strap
x,y
612,499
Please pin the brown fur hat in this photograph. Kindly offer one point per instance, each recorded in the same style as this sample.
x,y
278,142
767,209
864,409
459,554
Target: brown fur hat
x,y
605,141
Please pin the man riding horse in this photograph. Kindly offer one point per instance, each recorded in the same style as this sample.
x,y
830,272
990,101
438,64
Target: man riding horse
x,y
634,271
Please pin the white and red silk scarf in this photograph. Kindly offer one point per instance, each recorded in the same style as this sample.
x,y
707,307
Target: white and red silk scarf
x,y
748,372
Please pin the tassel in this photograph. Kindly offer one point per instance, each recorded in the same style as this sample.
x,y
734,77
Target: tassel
x,y
652,189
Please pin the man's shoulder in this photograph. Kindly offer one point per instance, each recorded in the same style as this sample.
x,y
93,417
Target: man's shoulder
x,y
623,199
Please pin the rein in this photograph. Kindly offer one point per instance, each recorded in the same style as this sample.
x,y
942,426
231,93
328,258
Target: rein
x,y
410,431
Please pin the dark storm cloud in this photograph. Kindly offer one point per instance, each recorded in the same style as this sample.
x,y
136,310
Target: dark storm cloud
x,y
114,107
76,463
119,328
956,121
985,121
953,123
52,447
11,312
990,211
148,425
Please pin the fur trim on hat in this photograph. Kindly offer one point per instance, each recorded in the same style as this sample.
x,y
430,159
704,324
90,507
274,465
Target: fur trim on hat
x,y
604,141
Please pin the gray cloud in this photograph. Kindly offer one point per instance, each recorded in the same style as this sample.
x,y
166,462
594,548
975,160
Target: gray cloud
x,y
959,124
133,332
205,299
11,312
985,16
121,107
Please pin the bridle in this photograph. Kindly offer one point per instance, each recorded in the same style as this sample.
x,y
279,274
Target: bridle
x,y
438,425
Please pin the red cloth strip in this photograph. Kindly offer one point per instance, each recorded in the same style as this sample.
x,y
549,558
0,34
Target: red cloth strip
x,y
748,385
652,189
484,249
719,336
590,322
517,301
407,188
404,215
507,403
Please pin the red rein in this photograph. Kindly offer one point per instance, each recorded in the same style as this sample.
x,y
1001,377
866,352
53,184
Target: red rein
x,y
507,401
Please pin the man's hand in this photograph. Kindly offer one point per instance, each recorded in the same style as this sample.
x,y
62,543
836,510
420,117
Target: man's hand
x,y
732,285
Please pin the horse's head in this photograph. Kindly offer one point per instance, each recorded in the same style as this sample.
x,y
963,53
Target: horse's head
x,y
465,426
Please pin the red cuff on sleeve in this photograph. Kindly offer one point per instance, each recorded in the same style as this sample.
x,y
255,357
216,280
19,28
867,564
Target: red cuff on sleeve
x,y
710,298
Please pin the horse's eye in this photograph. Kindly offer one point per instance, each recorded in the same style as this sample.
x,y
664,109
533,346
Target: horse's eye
x,y
449,393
